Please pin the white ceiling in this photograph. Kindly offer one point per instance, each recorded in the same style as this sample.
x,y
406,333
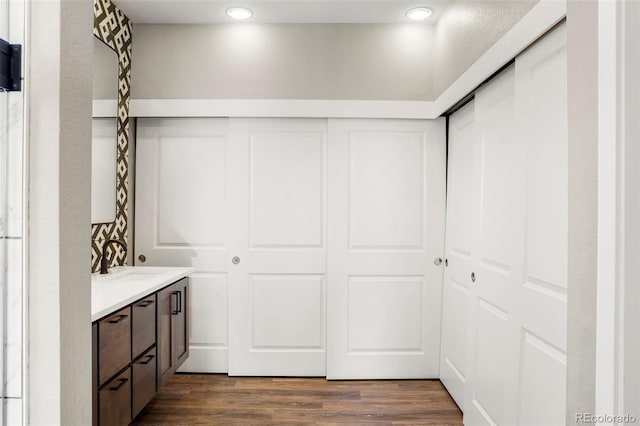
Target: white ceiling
x,y
276,11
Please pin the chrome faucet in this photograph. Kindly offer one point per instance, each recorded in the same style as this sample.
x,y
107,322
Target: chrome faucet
x,y
104,260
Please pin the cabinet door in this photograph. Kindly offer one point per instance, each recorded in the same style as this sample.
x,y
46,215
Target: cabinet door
x,y
180,323
94,372
166,361
115,401
173,341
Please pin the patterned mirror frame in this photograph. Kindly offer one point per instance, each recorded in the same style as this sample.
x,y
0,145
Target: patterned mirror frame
x,y
113,28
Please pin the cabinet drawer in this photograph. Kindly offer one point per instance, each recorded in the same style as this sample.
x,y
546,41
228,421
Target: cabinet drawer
x,y
115,401
114,343
144,380
144,325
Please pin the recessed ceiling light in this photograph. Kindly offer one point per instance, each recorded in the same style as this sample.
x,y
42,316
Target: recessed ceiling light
x,y
240,13
419,13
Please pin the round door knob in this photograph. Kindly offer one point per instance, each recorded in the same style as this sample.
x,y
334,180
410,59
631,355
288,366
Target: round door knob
x,y
235,260
473,277
437,261
142,258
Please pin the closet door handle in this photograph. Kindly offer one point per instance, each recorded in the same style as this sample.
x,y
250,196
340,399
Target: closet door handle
x,y
473,277
437,261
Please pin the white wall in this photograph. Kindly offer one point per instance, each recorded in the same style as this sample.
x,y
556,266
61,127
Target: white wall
x,y
60,65
283,61
628,223
618,336
466,29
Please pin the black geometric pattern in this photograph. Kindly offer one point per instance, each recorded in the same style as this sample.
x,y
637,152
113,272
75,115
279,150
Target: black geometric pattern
x,y
112,27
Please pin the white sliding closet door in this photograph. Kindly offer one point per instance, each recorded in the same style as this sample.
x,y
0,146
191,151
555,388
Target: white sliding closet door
x,y
182,181
497,255
209,190
281,196
541,294
460,217
516,350
279,221
386,223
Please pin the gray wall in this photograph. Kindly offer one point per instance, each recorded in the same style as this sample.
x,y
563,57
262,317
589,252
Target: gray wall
x,y
318,61
582,74
59,333
466,30
283,61
105,71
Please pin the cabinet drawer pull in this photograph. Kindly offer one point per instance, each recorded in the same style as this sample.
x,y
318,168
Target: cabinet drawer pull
x,y
179,301
119,385
148,359
145,303
120,318
176,310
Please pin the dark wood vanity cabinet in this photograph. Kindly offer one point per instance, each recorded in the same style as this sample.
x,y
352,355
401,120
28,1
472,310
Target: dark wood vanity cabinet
x,y
173,343
135,351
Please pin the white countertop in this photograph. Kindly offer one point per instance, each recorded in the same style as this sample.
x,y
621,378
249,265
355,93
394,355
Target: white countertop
x,y
126,284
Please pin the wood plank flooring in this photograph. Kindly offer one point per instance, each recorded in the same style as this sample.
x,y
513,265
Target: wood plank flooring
x,y
216,399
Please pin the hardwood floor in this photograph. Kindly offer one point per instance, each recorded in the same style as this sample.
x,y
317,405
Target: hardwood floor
x,y
216,399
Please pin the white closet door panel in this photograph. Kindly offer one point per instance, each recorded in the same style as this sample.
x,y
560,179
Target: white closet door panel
x,y
286,190
182,182
188,216
208,327
386,222
541,107
459,243
386,191
277,292
497,259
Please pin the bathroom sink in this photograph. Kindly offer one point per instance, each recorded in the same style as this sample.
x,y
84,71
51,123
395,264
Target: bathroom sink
x,y
126,284
138,276
131,273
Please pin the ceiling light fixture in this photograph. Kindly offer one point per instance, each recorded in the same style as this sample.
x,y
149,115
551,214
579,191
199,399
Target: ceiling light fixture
x,y
419,13
240,13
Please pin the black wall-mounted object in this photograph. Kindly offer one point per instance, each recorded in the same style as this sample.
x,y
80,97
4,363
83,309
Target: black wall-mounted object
x,y
10,66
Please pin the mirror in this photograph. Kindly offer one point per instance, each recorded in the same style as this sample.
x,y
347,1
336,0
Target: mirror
x,y
105,136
